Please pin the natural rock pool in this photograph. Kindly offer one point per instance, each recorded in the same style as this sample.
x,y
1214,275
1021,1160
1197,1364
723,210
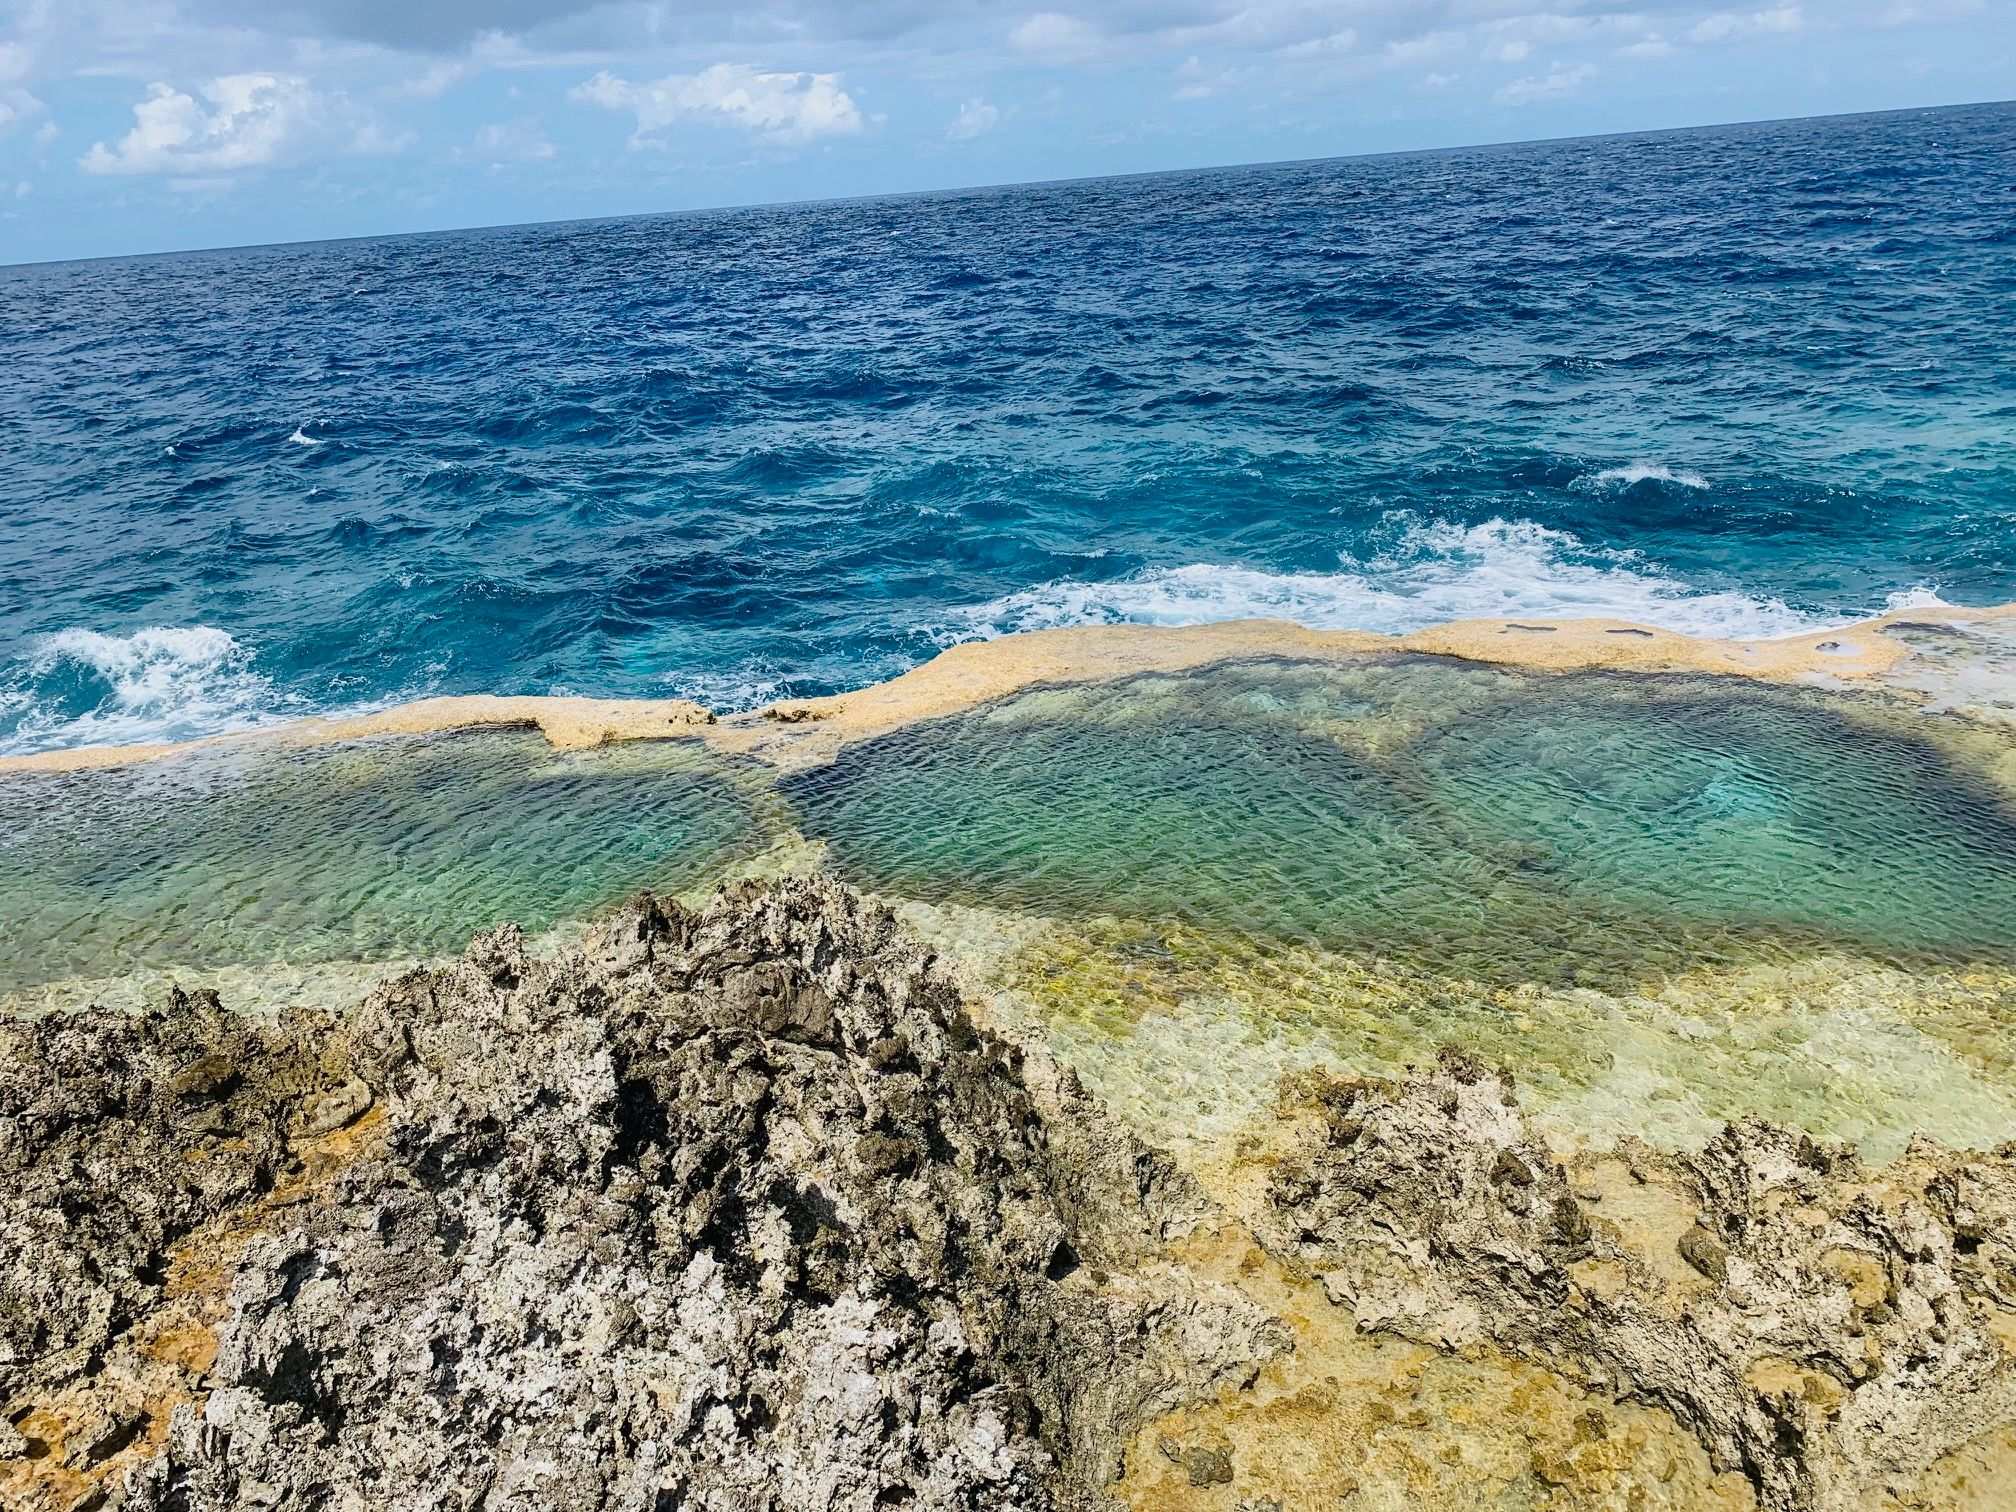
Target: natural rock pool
x,y
1664,901
298,859
1511,826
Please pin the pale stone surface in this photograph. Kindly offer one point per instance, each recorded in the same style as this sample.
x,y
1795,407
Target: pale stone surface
x,y
799,731
1836,1329
728,1210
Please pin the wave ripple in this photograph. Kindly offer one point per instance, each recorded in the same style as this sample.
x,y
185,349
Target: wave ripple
x,y
1435,573
785,451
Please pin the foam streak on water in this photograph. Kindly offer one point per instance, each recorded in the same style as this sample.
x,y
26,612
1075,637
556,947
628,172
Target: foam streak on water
x,y
162,682
1437,572
792,450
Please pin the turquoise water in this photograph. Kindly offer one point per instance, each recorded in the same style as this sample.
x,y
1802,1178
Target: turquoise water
x,y
1510,826
1663,901
373,851
1503,825
1740,380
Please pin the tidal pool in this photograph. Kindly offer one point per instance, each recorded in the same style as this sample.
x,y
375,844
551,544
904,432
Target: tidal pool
x,y
369,852
1502,825
1664,901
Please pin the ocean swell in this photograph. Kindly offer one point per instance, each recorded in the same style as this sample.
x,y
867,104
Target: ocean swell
x,y
1633,473
81,687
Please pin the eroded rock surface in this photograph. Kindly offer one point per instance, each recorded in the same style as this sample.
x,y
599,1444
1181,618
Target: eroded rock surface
x,y
1826,1330
728,1210
739,1209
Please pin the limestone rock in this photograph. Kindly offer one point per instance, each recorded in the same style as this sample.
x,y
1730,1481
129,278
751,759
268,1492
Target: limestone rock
x,y
728,1210
1833,1329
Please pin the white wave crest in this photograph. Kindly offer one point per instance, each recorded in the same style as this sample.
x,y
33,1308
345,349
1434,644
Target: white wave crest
x,y
302,438
162,683
1920,597
1433,573
1644,472
748,686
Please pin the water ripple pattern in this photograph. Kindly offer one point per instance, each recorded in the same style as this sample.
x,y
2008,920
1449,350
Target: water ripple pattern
x,y
368,852
1594,829
1738,381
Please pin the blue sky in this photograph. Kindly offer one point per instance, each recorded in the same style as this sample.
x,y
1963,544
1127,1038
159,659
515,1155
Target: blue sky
x,y
149,125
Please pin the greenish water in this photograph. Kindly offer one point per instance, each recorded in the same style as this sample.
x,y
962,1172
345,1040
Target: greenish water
x,y
373,851
1508,826
1664,902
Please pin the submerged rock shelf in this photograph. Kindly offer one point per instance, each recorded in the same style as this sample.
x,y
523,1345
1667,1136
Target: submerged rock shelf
x,y
259,868
1511,826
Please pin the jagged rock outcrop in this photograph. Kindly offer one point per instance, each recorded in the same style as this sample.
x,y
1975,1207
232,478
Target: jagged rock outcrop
x,y
1826,1329
738,1209
734,1209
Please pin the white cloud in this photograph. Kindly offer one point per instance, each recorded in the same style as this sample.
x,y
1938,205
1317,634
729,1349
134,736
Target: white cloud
x,y
1727,26
436,80
250,118
240,121
46,133
1557,83
14,60
16,106
1402,52
1917,12
513,142
1057,38
1342,41
780,107
975,118
1196,82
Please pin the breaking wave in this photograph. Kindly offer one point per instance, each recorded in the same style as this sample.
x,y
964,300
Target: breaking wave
x,y
1433,573
82,687
1634,473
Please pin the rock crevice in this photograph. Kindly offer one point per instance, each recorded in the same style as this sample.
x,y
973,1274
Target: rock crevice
x,y
1826,1329
737,1208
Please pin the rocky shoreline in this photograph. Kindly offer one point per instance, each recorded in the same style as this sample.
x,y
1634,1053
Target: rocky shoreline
x,y
1951,658
739,1208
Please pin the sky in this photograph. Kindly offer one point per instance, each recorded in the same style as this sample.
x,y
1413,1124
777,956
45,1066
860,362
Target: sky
x,y
155,125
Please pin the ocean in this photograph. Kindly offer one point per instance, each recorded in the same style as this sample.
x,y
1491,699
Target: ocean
x,y
1518,1063
1737,381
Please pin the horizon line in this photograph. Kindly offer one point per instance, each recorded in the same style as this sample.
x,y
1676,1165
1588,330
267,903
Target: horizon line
x,y
1001,185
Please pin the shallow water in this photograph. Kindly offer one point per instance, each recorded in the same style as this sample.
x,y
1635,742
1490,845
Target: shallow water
x,y
375,851
1663,901
1501,825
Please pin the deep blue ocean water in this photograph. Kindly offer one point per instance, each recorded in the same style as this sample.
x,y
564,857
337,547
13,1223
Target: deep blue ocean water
x,y
1738,381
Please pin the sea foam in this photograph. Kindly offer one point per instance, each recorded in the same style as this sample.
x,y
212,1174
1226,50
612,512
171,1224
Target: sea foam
x,y
1634,473
165,682
1433,572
